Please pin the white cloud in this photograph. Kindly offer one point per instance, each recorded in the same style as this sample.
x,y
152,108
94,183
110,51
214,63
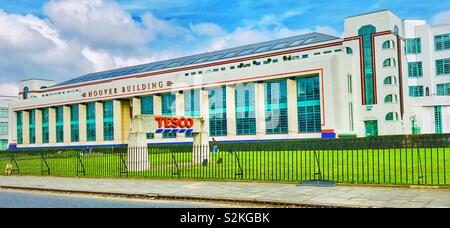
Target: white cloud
x,y
95,22
442,18
207,29
9,89
81,36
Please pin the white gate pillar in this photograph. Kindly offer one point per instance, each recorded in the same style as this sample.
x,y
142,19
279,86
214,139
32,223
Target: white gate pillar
x,y
138,159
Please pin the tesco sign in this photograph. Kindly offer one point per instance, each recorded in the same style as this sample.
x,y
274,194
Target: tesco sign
x,y
174,124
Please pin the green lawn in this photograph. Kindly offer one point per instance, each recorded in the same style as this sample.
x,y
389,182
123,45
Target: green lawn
x,y
384,166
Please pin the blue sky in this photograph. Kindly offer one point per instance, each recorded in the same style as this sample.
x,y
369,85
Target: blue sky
x,y
61,39
231,13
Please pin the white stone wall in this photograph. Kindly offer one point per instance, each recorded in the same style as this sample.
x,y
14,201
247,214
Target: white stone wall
x,y
424,106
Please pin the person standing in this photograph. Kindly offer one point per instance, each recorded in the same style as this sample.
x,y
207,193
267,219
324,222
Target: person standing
x,y
215,146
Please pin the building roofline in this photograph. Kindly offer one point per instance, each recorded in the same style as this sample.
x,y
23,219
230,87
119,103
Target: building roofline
x,y
368,13
186,60
440,25
37,79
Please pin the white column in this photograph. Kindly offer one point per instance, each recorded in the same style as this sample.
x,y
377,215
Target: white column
x,y
66,126
12,126
125,121
201,141
99,121
136,103
52,125
260,109
26,127
38,127
180,112
157,110
231,111
292,106
117,117
82,123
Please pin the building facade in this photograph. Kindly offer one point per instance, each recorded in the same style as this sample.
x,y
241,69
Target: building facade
x,y
307,86
428,55
5,124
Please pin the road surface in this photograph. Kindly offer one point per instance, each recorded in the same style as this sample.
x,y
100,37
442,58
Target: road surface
x,y
22,199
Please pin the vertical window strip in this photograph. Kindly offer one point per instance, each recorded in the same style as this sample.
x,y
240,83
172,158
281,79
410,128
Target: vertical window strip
x,y
32,126
366,32
147,109
91,131
74,123
60,124
245,109
191,105
45,126
276,111
19,127
108,120
308,105
218,111
438,119
168,102
351,118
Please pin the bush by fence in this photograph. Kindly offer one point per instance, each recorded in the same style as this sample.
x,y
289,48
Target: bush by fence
x,y
403,160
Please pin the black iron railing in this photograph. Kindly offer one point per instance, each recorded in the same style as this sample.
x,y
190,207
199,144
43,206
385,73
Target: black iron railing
x,y
402,160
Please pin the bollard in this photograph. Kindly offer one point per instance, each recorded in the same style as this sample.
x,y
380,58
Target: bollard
x,y
9,169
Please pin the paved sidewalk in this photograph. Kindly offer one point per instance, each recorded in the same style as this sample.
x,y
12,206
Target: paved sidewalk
x,y
341,196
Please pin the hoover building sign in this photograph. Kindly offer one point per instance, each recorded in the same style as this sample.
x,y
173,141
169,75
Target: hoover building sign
x,y
142,87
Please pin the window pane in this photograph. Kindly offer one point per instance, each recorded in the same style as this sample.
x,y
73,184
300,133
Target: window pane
x,y
218,111
308,98
108,120
191,105
245,109
276,107
415,69
168,102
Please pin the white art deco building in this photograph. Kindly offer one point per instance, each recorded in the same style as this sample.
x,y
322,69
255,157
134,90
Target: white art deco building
x,y
307,86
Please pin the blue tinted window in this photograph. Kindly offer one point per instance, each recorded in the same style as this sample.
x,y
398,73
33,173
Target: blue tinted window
x,y
19,117
74,123
278,46
276,107
168,102
191,105
216,57
201,60
297,42
59,124
245,109
45,129
308,98
366,32
246,52
261,49
218,112
147,109
108,120
32,126
90,122
231,54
